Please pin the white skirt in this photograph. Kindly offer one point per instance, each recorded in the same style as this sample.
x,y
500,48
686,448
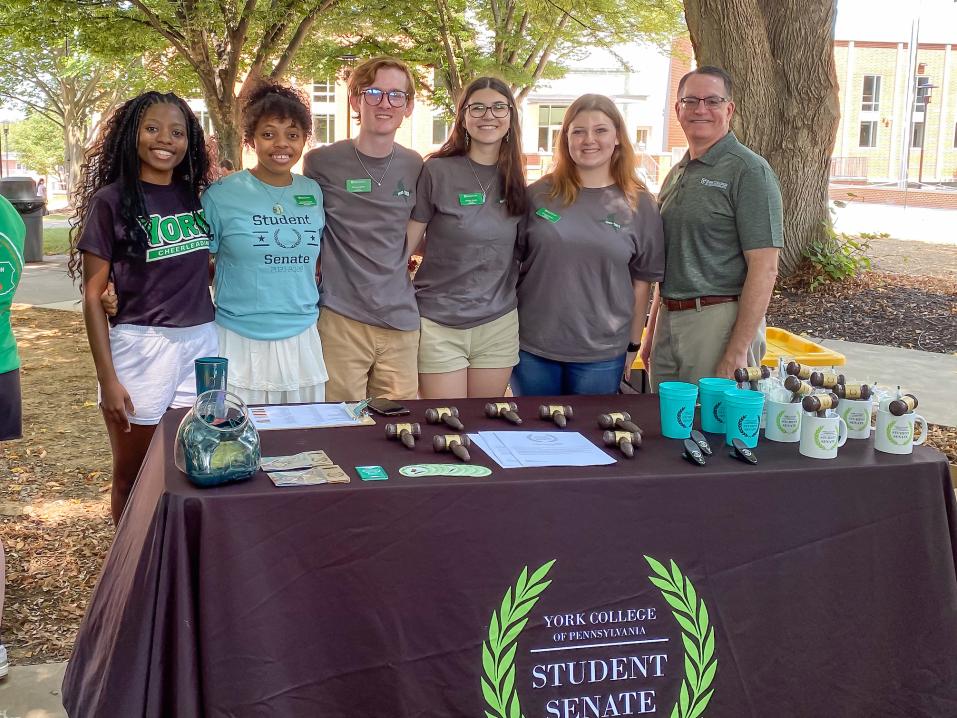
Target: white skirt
x,y
278,371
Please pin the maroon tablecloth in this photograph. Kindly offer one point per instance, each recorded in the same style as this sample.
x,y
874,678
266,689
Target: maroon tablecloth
x,y
829,587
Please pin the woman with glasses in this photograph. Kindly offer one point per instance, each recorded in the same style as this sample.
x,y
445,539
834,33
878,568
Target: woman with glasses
x,y
470,202
591,250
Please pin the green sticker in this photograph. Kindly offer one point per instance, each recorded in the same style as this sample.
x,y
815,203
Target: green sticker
x,y
359,185
549,215
471,198
371,473
305,200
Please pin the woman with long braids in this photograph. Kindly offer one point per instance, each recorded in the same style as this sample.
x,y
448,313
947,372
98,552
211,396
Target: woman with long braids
x,y
266,223
470,202
139,223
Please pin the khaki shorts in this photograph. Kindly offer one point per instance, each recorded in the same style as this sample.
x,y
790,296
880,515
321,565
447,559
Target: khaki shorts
x,y
365,360
493,345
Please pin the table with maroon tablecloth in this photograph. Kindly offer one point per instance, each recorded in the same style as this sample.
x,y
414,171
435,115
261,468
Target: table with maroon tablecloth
x,y
797,587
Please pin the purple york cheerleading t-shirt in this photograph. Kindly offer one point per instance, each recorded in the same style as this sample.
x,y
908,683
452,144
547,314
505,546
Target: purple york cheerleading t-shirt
x,y
169,287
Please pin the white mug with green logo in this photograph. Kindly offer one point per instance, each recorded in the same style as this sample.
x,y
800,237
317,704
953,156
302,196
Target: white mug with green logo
x,y
822,436
857,414
895,434
784,421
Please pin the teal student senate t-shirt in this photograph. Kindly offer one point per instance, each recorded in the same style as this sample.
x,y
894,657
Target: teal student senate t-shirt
x,y
12,233
266,242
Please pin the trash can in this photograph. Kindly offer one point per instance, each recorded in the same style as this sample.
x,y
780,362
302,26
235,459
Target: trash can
x,y
22,194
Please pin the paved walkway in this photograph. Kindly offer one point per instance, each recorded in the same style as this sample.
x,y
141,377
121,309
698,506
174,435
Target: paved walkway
x,y
32,692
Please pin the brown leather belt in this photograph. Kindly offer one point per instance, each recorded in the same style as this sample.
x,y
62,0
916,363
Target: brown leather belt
x,y
679,305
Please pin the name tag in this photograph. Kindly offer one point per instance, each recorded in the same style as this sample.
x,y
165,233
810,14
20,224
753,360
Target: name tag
x,y
549,215
359,185
470,198
305,200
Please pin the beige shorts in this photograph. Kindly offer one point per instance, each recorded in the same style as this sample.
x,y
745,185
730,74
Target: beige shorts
x,y
367,361
488,346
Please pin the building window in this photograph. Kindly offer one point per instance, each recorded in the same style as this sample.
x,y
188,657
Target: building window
x,y
922,94
871,99
205,121
641,138
323,129
868,134
324,91
917,135
440,129
549,126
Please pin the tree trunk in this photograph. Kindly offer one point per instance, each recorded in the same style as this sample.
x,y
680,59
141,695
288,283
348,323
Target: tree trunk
x,y
75,138
780,54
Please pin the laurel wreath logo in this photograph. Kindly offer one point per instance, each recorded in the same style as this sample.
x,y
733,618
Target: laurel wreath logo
x,y
900,437
498,652
680,417
745,432
690,612
792,426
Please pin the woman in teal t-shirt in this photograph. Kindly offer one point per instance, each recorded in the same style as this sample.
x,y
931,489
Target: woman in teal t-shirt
x,y
266,223
12,233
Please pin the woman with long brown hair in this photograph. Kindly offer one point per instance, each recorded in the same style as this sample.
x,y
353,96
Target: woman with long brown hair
x,y
470,202
592,248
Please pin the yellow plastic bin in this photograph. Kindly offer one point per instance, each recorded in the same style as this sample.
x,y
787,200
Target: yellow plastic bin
x,y
782,343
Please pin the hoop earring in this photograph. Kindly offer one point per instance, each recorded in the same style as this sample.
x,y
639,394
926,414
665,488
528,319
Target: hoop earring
x,y
508,134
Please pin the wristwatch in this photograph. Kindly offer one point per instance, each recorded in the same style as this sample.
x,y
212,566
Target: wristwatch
x,y
632,347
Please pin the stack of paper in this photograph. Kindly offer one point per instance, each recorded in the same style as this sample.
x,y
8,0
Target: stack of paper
x,y
524,449
305,416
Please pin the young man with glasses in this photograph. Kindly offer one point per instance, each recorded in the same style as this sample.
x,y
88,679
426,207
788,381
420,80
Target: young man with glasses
x,y
722,215
369,322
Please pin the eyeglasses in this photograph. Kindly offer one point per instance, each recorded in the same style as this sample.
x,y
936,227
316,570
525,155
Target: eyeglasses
x,y
374,95
478,109
712,103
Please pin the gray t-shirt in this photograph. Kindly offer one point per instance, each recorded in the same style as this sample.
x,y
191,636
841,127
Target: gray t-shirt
x,y
364,265
575,293
714,209
468,274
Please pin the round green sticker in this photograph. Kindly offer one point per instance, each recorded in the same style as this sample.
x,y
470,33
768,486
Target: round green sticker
x,y
11,266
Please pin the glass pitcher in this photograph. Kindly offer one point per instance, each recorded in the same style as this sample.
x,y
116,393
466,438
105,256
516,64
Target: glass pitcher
x,y
216,442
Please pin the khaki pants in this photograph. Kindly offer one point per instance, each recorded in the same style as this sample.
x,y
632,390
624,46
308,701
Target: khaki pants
x,y
689,344
364,360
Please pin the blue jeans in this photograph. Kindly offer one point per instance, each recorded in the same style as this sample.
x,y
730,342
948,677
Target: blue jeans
x,y
537,376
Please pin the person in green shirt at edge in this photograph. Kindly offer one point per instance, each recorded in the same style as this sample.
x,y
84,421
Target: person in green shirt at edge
x,y
12,233
722,215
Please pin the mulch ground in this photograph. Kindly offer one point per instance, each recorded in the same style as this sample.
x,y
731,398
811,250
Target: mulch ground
x,y
912,312
54,501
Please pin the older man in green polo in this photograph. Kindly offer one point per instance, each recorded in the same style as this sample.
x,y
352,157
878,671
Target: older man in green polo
x,y
722,215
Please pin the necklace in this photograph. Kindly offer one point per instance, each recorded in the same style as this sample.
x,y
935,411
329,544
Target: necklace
x,y
484,188
378,182
277,204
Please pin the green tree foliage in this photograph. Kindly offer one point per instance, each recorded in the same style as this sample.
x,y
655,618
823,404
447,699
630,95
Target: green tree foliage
x,y
522,41
228,45
47,66
38,142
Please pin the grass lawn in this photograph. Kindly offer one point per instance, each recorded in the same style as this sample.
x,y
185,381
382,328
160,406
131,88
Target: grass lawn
x,y
56,240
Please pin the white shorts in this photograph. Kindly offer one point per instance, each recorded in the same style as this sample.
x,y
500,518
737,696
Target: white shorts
x,y
155,366
275,371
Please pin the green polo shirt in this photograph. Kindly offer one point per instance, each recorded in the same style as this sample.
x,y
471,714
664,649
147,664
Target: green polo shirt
x,y
713,209
12,233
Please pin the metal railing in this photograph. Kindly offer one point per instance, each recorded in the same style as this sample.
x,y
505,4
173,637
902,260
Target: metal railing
x,y
849,167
